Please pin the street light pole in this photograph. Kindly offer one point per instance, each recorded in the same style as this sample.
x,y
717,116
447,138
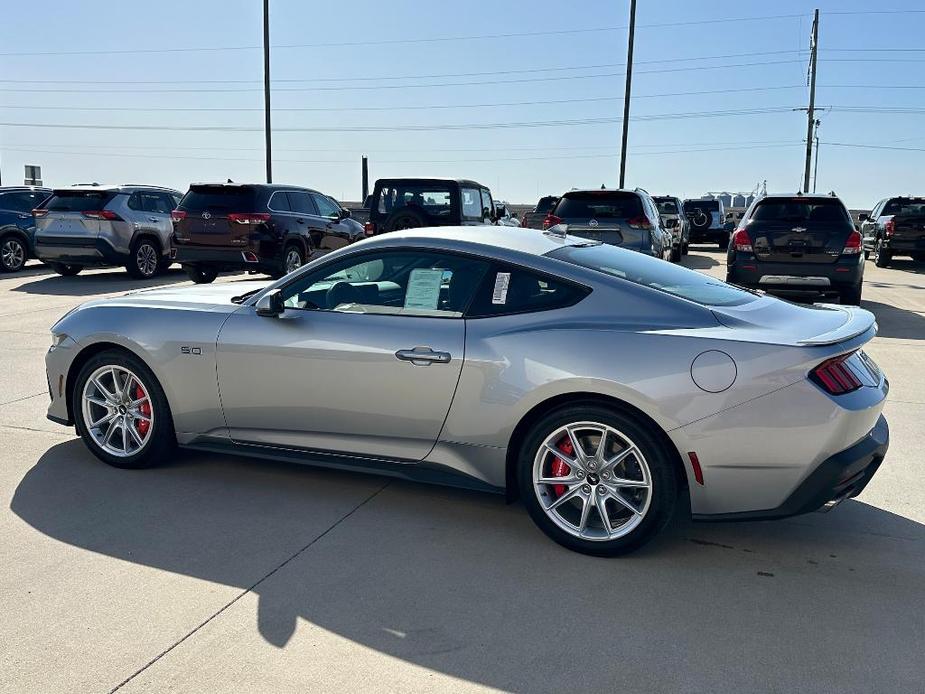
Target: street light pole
x,y
629,88
266,87
812,100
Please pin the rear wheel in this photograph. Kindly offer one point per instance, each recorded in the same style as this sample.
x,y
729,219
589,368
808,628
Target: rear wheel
x,y
851,296
918,257
596,480
145,262
675,256
12,254
882,256
293,259
404,219
64,269
685,248
200,274
723,241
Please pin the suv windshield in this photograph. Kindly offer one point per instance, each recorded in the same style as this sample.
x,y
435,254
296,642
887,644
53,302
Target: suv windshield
x,y
78,200
604,204
655,274
818,210
219,199
666,205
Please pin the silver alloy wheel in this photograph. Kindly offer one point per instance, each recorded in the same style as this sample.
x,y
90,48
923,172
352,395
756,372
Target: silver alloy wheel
x,y
13,254
115,400
146,259
593,481
293,259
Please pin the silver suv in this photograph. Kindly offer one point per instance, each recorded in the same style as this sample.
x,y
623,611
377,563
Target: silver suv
x,y
97,226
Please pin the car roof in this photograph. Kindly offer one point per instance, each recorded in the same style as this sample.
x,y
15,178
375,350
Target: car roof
x,y
794,196
516,239
600,191
113,188
431,179
265,186
30,189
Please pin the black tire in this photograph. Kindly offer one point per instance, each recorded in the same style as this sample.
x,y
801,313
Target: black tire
x,y
64,269
851,296
293,258
675,256
685,248
664,490
145,260
918,257
13,253
404,219
882,256
723,241
162,439
200,274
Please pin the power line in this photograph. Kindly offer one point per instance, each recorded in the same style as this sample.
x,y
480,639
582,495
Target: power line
x,y
400,41
886,147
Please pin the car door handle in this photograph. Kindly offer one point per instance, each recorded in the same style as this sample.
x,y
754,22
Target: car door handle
x,y
423,356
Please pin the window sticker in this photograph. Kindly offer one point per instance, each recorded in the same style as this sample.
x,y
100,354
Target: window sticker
x,y
423,289
502,282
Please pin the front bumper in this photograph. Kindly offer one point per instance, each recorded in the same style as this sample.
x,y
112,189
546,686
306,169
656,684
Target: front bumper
x,y
57,367
838,477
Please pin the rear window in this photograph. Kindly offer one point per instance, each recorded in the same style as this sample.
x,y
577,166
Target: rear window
x,y
603,204
433,200
666,205
705,205
78,201
219,199
800,210
655,274
905,206
546,204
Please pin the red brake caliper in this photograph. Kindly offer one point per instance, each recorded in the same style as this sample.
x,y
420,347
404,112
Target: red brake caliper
x,y
559,467
145,408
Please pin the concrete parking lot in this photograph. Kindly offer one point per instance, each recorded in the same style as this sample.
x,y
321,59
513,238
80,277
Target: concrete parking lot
x,y
217,574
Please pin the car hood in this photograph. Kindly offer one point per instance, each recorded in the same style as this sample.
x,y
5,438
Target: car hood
x,y
205,297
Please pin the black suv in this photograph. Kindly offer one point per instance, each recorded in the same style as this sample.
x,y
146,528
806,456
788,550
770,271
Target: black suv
x,y
896,226
409,203
257,227
17,225
798,244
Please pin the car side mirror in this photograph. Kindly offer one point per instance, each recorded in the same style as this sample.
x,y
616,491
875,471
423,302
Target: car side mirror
x,y
863,217
271,304
344,213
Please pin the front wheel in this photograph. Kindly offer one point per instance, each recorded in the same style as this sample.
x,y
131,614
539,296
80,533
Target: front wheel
x,y
12,254
200,274
65,270
596,480
121,411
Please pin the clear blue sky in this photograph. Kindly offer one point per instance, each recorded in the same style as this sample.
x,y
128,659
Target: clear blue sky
x,y
347,67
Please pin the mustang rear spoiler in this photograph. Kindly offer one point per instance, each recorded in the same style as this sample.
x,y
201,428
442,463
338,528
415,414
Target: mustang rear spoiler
x,y
858,322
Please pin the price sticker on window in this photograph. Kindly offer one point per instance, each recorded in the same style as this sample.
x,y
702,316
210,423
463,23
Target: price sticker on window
x,y
502,282
423,289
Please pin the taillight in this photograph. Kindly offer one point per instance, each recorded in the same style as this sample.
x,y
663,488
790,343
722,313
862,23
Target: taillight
x,y
178,215
369,228
39,213
249,217
640,222
102,214
551,221
853,245
742,242
834,376
889,228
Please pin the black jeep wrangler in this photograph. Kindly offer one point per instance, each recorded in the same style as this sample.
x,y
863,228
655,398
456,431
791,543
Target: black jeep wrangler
x,y
408,203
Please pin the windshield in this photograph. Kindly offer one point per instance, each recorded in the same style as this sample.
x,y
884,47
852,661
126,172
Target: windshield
x,y
655,274
604,204
800,210
666,205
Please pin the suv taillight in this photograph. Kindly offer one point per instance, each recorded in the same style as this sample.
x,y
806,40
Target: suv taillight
x,y
853,245
551,221
39,213
742,242
102,214
178,215
834,376
639,222
889,228
369,228
249,217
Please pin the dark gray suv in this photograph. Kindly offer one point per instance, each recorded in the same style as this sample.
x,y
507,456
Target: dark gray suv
x,y
98,226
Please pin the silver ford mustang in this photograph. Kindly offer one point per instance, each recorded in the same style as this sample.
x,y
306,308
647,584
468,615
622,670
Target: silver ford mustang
x,y
597,384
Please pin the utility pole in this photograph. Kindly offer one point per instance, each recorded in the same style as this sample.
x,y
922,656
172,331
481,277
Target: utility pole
x,y
811,115
266,87
629,89
816,157
365,176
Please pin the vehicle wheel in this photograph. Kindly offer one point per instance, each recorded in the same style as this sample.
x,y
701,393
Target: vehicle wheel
x,y
64,269
851,296
200,274
882,256
404,219
596,480
145,261
293,259
918,257
12,254
685,248
675,256
121,411
723,241
866,254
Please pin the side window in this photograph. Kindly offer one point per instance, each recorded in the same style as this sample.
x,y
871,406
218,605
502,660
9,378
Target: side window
x,y
279,202
326,206
157,202
391,283
509,289
487,203
892,207
471,203
135,202
21,202
300,201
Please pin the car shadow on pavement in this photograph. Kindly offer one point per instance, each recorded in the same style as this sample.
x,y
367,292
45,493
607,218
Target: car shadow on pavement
x,y
896,322
699,261
461,583
107,282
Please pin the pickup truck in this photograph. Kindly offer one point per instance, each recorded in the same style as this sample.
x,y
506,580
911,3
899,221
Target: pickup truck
x,y
534,219
896,226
